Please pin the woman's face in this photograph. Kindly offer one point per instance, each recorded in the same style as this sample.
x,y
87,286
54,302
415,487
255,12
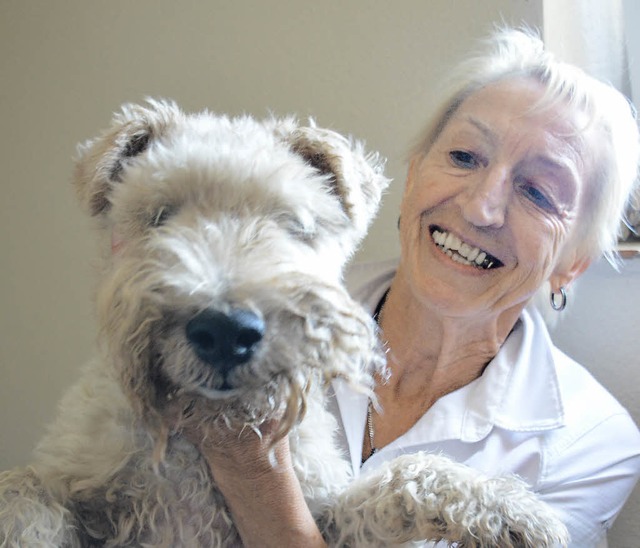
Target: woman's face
x,y
487,211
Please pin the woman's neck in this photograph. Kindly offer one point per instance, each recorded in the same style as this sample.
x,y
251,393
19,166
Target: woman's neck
x,y
431,354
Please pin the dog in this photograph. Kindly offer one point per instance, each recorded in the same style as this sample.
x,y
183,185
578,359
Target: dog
x,y
223,244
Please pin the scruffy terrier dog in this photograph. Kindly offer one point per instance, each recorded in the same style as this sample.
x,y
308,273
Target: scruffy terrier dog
x,y
224,242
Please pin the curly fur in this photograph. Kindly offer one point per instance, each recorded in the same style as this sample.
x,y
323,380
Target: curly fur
x,y
206,213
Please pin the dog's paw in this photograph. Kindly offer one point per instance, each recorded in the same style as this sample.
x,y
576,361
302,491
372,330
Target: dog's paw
x,y
30,515
511,516
421,496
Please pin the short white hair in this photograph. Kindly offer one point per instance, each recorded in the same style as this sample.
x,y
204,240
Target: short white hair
x,y
520,53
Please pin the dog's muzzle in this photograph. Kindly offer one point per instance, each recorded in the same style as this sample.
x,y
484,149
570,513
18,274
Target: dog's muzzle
x,y
225,340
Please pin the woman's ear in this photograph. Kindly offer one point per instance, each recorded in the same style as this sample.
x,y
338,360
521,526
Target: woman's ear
x,y
568,270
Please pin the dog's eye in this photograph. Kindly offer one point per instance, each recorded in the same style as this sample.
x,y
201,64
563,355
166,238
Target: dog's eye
x,y
301,230
161,216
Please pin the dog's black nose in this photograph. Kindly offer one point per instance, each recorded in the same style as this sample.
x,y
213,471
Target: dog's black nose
x,y
225,339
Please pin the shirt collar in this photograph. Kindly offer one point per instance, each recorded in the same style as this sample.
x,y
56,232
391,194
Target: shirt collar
x,y
519,389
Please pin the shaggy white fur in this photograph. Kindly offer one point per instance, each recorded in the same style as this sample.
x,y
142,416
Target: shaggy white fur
x,y
224,242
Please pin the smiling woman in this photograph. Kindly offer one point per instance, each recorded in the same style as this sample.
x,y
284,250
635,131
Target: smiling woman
x,y
504,181
519,182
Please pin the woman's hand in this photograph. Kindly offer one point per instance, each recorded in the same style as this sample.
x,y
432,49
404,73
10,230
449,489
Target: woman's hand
x,y
254,472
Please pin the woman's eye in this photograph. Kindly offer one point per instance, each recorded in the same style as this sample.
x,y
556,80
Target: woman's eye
x,y
464,159
538,197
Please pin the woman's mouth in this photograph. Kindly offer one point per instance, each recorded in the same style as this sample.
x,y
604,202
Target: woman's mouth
x,y
462,252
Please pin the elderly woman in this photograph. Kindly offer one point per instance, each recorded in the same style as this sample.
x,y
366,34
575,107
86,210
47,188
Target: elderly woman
x,y
518,184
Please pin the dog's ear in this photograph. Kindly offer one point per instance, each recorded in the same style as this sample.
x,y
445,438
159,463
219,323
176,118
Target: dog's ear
x,y
356,178
100,161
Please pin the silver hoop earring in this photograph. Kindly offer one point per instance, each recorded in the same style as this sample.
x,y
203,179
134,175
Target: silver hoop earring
x,y
558,306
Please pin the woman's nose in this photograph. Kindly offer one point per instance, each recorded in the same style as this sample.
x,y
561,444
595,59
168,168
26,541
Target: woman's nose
x,y
484,202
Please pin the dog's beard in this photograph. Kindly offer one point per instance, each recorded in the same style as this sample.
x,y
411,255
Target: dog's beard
x,y
314,333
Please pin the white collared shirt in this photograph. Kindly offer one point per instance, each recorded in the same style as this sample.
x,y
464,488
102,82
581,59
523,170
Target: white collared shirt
x,y
534,412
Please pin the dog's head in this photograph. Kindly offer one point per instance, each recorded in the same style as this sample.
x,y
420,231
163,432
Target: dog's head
x,y
355,180
225,243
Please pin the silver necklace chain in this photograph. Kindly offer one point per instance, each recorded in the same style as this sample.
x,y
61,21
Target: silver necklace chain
x,y
376,317
372,448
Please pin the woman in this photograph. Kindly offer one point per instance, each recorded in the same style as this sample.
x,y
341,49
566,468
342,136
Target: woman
x,y
519,183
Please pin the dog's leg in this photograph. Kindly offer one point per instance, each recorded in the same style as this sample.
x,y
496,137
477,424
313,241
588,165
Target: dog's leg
x,y
30,515
428,497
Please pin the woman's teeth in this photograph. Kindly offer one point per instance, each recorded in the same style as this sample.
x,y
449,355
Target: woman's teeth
x,y
463,253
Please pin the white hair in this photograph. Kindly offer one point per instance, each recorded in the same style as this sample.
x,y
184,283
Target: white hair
x,y
519,53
